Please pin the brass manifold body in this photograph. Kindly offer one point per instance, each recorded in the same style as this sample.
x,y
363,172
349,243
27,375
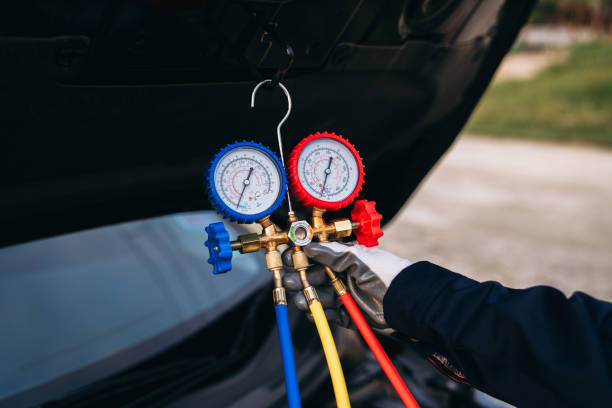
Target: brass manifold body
x,y
336,229
341,228
272,236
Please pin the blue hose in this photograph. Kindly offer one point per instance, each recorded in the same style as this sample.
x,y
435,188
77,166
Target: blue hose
x,y
284,334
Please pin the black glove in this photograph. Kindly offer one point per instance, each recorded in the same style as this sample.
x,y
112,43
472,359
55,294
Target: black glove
x,y
368,272
332,305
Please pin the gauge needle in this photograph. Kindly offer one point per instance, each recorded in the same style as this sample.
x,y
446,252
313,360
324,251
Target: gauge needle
x,y
327,171
246,183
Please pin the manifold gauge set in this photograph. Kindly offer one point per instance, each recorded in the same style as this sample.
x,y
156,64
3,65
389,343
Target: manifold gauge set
x,y
246,182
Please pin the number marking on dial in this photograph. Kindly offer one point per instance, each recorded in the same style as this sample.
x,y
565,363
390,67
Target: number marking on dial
x,y
248,180
328,170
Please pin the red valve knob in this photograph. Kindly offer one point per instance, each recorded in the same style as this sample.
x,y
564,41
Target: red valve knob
x,y
369,230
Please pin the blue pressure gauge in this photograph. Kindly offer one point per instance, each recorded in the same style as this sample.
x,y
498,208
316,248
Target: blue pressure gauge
x,y
245,182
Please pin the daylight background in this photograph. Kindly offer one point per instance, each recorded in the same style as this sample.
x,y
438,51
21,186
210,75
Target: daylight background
x,y
525,194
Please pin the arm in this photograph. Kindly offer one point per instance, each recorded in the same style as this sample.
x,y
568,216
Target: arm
x,y
530,347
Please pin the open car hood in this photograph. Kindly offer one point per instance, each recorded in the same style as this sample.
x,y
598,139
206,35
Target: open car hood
x,y
111,110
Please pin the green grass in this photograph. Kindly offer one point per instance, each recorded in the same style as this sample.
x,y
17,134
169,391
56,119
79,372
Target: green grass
x,y
571,101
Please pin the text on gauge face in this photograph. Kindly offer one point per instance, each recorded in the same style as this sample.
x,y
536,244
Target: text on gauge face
x,y
327,170
248,180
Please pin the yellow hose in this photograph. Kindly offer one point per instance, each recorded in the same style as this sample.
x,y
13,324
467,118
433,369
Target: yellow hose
x,y
333,362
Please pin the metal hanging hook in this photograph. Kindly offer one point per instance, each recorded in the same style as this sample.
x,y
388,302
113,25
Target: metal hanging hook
x,y
280,124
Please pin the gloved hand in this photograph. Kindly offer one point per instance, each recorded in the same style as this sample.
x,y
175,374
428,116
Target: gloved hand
x,y
332,305
367,271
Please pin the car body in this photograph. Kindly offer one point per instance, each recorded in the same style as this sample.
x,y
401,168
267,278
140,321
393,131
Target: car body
x,y
110,112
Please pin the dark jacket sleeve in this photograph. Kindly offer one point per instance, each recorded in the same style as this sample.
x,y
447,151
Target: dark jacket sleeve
x,y
529,347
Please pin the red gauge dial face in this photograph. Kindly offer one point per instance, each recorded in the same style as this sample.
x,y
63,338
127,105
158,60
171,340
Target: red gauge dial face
x,y
325,171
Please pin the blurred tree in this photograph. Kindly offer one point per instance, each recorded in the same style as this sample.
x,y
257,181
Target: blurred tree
x,y
593,13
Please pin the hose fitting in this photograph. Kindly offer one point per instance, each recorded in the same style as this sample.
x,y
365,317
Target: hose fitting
x,y
311,295
339,286
279,296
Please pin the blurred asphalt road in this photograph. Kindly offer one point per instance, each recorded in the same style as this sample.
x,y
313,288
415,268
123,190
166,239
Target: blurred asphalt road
x,y
522,213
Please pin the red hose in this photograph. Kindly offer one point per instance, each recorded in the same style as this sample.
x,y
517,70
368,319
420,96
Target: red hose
x,y
379,353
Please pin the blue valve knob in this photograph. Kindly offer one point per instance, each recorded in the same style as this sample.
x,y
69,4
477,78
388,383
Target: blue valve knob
x,y
219,248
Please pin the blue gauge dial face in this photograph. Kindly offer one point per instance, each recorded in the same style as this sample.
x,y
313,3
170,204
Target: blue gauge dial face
x,y
248,180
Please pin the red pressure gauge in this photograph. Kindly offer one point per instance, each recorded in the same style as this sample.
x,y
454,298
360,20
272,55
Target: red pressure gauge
x,y
325,171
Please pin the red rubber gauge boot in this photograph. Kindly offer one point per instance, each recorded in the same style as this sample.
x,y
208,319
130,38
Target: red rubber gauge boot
x,y
325,171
